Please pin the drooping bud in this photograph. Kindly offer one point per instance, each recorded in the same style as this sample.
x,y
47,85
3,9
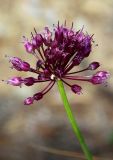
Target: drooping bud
x,y
100,77
28,101
93,65
15,81
76,89
38,96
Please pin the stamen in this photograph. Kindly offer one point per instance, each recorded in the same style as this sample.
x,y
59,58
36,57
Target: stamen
x,y
41,53
35,54
70,61
35,30
43,50
69,67
72,25
32,35
65,23
58,25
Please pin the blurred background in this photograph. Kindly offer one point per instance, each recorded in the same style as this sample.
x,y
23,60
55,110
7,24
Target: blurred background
x,y
41,131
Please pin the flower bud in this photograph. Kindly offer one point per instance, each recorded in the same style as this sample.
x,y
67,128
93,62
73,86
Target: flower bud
x,y
100,77
38,96
25,66
19,65
93,66
15,62
29,81
15,81
76,89
28,101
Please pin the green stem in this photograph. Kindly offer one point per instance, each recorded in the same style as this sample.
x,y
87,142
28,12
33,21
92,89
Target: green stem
x,y
73,122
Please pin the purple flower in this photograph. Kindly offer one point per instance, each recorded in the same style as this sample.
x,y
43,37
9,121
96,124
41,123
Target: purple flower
x,y
57,53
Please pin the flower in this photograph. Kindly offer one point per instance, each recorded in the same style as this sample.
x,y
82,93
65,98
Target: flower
x,y
57,53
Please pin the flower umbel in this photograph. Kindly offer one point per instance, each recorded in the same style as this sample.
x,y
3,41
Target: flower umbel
x,y
57,53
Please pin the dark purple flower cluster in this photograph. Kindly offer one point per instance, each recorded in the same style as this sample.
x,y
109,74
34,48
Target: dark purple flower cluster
x,y
57,53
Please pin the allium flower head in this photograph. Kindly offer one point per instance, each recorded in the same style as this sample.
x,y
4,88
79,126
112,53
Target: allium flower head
x,y
57,52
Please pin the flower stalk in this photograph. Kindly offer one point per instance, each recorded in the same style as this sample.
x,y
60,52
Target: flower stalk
x,y
73,122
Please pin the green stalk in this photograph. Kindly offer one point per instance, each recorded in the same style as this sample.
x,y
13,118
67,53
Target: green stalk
x,y
73,122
